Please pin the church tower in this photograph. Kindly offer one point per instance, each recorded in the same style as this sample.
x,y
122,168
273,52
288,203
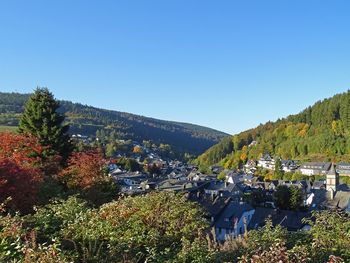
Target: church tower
x,y
332,180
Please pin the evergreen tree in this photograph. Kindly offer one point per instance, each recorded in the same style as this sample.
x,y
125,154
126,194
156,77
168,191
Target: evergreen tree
x,y
42,120
296,197
282,197
278,174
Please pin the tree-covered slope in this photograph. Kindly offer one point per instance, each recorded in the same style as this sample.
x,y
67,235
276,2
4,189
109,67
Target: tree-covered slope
x,y
320,132
183,137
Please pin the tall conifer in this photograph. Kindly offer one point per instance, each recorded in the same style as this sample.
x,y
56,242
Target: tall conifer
x,y
42,120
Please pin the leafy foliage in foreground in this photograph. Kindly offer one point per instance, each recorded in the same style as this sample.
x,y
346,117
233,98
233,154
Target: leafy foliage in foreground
x,y
160,227
328,241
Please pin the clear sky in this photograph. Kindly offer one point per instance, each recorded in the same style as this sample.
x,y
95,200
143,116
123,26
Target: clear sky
x,y
229,65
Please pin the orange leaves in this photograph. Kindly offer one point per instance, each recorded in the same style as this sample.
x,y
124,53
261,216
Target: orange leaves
x,y
137,149
304,130
84,169
243,157
24,150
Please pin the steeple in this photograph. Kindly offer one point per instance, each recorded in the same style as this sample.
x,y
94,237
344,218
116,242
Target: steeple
x,y
332,180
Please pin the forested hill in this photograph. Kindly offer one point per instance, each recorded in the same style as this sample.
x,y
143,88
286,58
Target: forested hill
x,y
87,120
320,132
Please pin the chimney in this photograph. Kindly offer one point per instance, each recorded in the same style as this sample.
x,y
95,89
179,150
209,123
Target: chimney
x,y
332,193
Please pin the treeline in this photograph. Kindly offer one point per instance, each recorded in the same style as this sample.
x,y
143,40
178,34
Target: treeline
x,y
87,120
320,132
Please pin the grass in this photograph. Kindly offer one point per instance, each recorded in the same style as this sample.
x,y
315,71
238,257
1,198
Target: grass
x,y
8,128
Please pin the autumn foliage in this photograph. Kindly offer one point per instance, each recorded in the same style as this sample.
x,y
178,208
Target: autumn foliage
x,y
86,175
20,173
24,150
21,184
84,170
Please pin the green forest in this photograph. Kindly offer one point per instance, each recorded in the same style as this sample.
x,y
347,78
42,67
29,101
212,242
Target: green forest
x,y
319,133
183,137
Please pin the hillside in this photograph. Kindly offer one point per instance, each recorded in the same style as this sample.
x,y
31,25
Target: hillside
x,y
183,137
320,132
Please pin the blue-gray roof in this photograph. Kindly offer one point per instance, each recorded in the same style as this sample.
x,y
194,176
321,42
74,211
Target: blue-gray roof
x,y
291,220
232,210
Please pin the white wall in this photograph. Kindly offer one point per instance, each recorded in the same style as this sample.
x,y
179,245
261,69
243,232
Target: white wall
x,y
242,223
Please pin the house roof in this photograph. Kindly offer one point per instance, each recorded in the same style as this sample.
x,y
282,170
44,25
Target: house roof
x,y
291,220
231,212
266,156
332,170
341,199
213,207
318,184
316,166
343,166
215,185
233,187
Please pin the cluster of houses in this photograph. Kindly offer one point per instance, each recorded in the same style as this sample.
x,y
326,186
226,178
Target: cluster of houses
x,y
81,138
266,161
224,201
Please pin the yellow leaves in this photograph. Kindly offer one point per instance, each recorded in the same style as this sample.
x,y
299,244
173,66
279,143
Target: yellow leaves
x,y
304,130
243,157
228,164
337,127
268,177
334,126
137,149
290,130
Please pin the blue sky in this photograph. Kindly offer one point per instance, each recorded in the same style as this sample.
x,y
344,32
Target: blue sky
x,y
229,65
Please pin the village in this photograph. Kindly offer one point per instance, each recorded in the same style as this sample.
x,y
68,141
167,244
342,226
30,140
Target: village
x,y
242,201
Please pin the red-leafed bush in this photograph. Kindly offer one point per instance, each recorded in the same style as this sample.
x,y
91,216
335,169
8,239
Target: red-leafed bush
x,y
21,170
84,170
19,183
26,151
21,149
86,174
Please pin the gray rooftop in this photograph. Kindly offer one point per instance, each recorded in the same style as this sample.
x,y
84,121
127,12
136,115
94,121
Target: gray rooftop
x,y
232,210
291,220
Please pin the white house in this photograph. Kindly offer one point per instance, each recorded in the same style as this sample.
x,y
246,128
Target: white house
x,y
343,169
313,168
289,165
233,221
131,179
267,162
